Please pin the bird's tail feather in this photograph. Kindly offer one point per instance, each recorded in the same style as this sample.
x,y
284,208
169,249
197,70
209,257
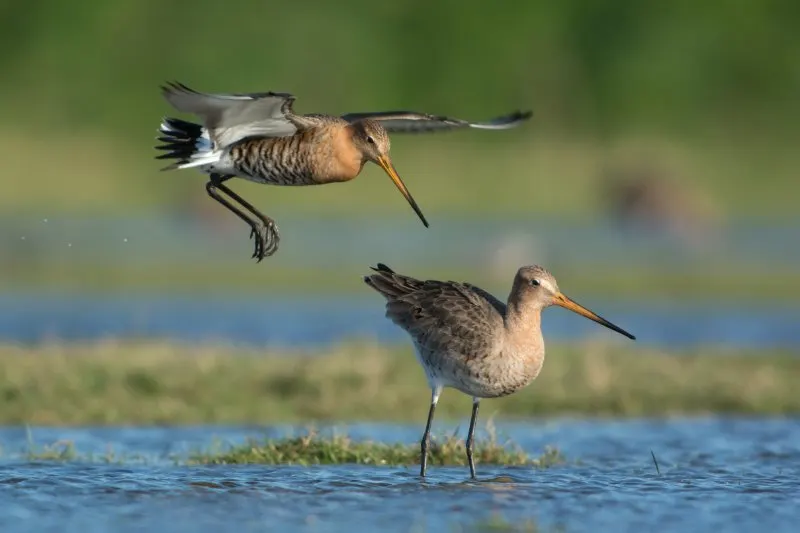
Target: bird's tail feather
x,y
391,284
187,143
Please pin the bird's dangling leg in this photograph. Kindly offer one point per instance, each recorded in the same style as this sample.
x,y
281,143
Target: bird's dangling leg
x,y
263,229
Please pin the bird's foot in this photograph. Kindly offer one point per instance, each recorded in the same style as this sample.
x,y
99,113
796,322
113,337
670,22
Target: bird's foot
x,y
266,238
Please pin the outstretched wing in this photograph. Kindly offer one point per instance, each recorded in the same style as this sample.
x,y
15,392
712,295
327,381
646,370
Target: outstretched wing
x,y
231,117
413,122
441,316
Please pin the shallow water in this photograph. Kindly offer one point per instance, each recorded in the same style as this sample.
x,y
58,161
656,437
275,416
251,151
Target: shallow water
x,y
731,475
29,317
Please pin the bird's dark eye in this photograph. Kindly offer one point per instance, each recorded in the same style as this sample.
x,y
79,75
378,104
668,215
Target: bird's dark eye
x,y
370,140
534,282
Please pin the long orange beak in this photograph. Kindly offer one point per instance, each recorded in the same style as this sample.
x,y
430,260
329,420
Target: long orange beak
x,y
567,303
386,165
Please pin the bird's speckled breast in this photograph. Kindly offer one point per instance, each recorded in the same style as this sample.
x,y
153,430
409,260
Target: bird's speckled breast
x,y
310,157
492,376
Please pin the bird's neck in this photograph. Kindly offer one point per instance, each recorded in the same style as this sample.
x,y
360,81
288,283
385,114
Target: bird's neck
x,y
524,338
523,320
342,160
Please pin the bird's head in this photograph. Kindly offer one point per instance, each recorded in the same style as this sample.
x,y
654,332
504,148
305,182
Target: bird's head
x,y
535,287
372,140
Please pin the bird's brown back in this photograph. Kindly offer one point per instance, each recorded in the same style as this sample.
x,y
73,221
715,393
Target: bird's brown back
x,y
440,315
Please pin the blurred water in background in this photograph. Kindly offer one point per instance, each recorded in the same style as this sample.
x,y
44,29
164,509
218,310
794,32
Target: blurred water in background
x,y
456,242
319,321
304,314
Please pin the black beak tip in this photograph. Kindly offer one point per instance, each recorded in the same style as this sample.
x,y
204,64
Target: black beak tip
x,y
621,331
421,216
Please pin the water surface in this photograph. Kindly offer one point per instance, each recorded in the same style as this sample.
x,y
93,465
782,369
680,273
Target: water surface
x,y
179,241
715,474
317,321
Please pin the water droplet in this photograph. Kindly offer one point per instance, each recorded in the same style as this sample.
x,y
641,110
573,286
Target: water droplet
x,y
69,244
125,239
45,220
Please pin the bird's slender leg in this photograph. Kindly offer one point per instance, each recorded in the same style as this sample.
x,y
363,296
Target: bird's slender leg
x,y
214,193
475,404
435,392
264,230
267,231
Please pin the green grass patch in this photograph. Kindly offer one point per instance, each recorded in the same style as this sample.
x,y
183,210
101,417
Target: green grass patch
x,y
313,449
128,382
65,451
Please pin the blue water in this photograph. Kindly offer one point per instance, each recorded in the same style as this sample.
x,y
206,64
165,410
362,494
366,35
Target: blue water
x,y
29,244
30,317
715,474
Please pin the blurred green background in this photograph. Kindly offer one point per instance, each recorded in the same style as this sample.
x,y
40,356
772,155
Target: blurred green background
x,y
662,159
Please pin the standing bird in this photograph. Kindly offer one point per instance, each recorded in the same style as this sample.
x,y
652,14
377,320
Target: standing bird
x,y
468,340
258,137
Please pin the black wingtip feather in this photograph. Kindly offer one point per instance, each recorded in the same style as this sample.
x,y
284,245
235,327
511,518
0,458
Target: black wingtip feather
x,y
174,85
512,118
523,115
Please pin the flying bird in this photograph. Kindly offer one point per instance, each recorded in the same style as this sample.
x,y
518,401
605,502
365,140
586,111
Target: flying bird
x,y
259,137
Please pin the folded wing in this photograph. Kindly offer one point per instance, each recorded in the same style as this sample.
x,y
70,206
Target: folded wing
x,y
441,316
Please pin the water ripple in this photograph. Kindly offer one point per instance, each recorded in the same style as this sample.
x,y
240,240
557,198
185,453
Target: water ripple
x,y
736,475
